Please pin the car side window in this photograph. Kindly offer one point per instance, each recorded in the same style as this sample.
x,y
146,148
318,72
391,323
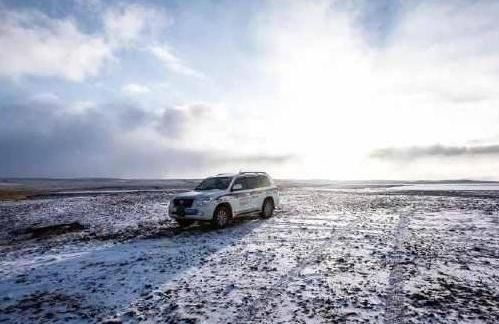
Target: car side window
x,y
263,181
253,182
241,181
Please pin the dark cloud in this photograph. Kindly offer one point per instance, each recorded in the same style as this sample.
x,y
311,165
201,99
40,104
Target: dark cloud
x,y
377,19
40,139
174,122
418,152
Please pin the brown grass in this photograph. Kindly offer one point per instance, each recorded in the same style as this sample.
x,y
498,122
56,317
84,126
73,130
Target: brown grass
x,y
12,194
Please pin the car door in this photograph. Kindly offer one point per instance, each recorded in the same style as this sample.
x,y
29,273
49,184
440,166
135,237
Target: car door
x,y
256,192
242,197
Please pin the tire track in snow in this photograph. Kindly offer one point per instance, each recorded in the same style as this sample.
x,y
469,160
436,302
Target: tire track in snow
x,y
256,311
394,307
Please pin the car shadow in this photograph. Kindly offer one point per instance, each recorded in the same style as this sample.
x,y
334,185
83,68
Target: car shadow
x,y
95,280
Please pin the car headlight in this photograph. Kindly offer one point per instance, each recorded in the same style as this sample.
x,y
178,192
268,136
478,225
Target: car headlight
x,y
203,201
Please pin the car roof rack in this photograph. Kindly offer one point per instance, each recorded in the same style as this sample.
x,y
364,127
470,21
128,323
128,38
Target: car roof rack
x,y
240,173
256,172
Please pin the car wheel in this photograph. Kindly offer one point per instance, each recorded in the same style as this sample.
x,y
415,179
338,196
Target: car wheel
x,y
184,222
221,217
268,208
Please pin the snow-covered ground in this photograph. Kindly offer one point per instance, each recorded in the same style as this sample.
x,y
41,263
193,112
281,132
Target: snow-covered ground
x,y
382,255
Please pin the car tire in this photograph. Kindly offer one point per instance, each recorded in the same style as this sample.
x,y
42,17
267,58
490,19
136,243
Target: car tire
x,y
221,217
184,222
267,208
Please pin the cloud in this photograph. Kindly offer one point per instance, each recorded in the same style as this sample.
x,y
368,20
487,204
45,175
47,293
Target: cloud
x,y
452,47
176,122
45,97
35,44
49,138
135,89
434,151
125,25
332,97
173,63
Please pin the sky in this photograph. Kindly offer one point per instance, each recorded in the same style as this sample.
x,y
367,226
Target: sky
x,y
302,89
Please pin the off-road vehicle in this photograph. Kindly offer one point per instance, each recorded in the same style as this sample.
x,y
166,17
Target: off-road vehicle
x,y
223,197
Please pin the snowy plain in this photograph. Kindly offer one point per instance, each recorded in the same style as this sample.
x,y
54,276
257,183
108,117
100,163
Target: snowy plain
x,y
333,252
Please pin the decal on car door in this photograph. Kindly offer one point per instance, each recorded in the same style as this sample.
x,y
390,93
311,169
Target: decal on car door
x,y
244,201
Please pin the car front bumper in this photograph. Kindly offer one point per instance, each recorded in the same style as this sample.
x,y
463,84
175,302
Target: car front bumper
x,y
194,213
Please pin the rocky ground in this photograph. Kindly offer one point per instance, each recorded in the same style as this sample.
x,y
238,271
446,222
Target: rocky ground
x,y
328,255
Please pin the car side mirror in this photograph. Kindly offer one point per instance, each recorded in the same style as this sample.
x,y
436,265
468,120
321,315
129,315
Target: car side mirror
x,y
237,187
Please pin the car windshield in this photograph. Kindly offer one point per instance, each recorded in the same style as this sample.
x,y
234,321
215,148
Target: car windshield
x,y
220,183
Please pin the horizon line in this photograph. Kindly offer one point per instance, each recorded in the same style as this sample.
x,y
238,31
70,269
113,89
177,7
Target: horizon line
x,y
279,179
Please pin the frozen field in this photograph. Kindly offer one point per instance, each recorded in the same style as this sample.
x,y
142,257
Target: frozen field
x,y
390,253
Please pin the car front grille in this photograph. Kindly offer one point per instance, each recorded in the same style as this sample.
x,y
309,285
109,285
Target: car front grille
x,y
187,203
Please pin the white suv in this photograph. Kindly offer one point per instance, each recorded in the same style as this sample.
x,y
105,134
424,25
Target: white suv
x,y
223,197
